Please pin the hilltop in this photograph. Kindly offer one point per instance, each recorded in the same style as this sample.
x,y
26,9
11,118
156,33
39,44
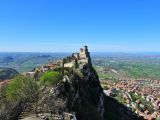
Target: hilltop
x,y
24,62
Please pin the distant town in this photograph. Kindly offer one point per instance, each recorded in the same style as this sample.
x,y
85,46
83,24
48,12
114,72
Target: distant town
x,y
142,96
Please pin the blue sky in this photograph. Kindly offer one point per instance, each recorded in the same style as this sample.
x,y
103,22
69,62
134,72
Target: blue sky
x,y
66,25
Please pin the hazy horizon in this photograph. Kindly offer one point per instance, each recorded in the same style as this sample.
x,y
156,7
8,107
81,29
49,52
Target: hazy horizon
x,y
92,52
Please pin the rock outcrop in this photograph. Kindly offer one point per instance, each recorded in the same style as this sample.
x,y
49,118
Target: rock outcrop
x,y
80,93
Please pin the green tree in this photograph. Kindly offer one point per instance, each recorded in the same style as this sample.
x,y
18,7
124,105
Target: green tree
x,y
50,78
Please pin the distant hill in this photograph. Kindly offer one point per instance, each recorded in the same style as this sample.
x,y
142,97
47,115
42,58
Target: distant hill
x,y
24,62
108,65
8,59
7,73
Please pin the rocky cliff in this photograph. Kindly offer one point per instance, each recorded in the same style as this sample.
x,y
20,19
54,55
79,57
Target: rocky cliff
x,y
81,94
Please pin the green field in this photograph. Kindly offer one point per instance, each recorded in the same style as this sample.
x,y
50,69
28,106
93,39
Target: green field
x,y
130,66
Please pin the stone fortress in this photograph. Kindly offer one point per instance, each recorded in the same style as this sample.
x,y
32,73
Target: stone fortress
x,y
83,57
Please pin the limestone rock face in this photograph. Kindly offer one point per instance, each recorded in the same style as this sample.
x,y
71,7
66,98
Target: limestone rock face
x,y
83,95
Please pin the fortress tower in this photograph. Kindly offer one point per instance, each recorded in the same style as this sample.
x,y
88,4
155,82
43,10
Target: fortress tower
x,y
82,57
84,54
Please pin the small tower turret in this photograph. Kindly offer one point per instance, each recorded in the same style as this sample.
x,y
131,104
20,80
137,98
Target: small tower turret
x,y
86,48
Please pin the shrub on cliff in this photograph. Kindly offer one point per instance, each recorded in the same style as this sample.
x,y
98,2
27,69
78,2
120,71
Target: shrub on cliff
x,y
50,78
21,88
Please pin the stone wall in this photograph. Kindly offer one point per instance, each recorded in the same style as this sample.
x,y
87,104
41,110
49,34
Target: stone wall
x,y
71,64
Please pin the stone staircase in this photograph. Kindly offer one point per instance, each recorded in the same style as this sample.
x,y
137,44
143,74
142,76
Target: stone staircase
x,y
26,112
